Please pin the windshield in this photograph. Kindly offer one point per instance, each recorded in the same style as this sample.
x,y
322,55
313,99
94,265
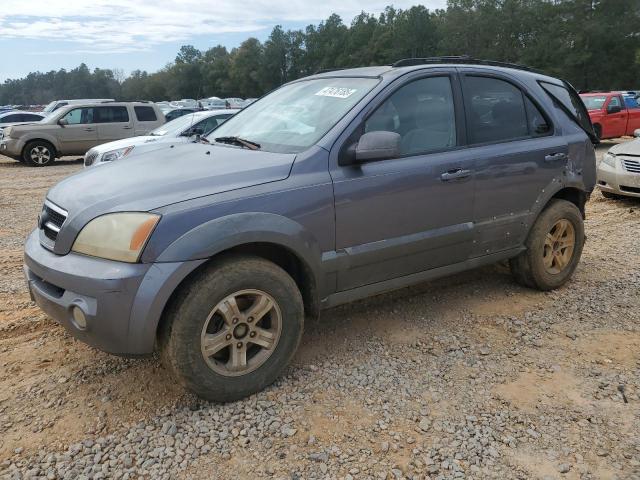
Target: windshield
x,y
294,117
594,102
49,108
175,127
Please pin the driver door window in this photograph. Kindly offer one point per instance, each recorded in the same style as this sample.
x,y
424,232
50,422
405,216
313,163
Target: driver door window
x,y
79,116
422,112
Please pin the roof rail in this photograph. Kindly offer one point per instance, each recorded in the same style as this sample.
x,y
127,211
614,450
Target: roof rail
x,y
327,70
461,59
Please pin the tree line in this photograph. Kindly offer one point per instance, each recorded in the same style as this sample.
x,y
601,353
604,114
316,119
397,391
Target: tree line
x,y
594,44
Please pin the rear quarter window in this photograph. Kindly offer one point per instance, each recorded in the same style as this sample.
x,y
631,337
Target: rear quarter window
x,y
145,114
571,103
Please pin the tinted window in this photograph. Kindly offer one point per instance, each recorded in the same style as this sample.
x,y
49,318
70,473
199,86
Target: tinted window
x,y
495,110
538,124
111,114
11,118
31,118
79,116
569,101
422,112
145,114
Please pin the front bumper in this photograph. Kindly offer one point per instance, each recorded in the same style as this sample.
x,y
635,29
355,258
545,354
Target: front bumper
x,y
10,147
618,180
122,302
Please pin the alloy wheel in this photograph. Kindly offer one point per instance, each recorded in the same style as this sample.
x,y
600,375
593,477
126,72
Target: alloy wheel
x,y
558,246
241,332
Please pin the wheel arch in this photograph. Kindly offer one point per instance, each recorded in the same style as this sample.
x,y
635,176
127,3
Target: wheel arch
x,y
40,139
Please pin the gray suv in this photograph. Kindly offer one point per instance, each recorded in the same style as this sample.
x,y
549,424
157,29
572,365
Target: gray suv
x,y
330,189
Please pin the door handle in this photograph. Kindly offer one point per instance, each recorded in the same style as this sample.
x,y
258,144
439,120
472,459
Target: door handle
x,y
127,128
89,129
556,157
455,174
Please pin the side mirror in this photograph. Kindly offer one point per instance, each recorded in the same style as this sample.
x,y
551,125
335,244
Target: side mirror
x,y
636,133
378,145
63,122
614,109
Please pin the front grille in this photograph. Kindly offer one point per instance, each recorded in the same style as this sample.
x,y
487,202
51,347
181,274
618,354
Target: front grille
x,y
89,158
51,220
632,166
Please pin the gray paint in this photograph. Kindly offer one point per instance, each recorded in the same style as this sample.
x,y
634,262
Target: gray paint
x,y
360,229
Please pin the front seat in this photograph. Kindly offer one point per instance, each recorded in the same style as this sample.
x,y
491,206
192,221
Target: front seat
x,y
435,128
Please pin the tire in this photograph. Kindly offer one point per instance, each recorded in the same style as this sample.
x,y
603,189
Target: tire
x,y
609,195
202,310
598,131
38,153
532,267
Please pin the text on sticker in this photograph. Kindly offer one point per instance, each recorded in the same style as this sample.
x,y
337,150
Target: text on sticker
x,y
337,92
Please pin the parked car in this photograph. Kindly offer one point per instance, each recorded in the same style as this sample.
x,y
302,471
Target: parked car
x,y
180,130
248,101
332,188
610,115
56,104
234,102
17,117
74,129
619,171
178,112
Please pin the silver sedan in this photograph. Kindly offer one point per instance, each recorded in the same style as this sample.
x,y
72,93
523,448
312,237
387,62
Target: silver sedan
x,y
619,171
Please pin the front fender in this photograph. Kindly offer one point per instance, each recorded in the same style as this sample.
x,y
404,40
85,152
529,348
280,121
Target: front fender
x,y
215,236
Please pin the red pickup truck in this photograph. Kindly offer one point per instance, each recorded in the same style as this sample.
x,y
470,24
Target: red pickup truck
x,y
610,115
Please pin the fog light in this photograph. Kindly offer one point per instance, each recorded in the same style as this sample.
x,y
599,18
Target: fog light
x,y
78,317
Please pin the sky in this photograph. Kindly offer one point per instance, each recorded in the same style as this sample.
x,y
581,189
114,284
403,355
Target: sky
x,y
43,35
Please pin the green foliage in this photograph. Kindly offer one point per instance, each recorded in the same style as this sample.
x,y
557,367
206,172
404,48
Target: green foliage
x,y
595,44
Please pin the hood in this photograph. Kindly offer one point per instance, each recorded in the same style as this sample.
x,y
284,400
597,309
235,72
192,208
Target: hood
x,y
162,177
127,142
627,148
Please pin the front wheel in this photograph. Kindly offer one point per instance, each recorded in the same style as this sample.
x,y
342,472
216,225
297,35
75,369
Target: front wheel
x,y
38,153
554,247
233,328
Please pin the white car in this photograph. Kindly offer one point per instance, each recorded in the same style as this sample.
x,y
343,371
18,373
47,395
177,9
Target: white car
x,y
177,131
619,171
18,117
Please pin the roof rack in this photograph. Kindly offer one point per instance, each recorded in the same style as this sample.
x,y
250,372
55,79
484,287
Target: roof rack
x,y
461,59
327,70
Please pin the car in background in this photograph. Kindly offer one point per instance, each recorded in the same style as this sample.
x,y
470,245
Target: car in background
x,y
56,104
17,117
610,115
178,112
180,130
618,173
6,108
74,129
234,102
631,101
249,101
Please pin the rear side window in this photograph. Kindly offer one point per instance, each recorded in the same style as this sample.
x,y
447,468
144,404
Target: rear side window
x,y
111,114
31,118
422,113
569,101
12,118
495,110
145,114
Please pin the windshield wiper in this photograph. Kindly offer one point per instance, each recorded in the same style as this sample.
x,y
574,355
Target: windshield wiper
x,y
238,141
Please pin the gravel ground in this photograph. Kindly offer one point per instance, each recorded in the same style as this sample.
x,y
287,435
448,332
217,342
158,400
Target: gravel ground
x,y
467,377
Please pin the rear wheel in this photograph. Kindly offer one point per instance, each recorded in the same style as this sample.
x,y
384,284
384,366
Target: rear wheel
x,y
554,247
233,329
38,153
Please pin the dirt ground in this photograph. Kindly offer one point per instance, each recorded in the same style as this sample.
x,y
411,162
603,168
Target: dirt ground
x,y
476,342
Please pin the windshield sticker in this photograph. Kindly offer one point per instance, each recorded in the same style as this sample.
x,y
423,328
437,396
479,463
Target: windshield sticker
x,y
336,92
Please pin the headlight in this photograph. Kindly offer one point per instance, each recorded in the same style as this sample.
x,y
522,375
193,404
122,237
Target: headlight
x,y
6,133
116,236
609,159
116,154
